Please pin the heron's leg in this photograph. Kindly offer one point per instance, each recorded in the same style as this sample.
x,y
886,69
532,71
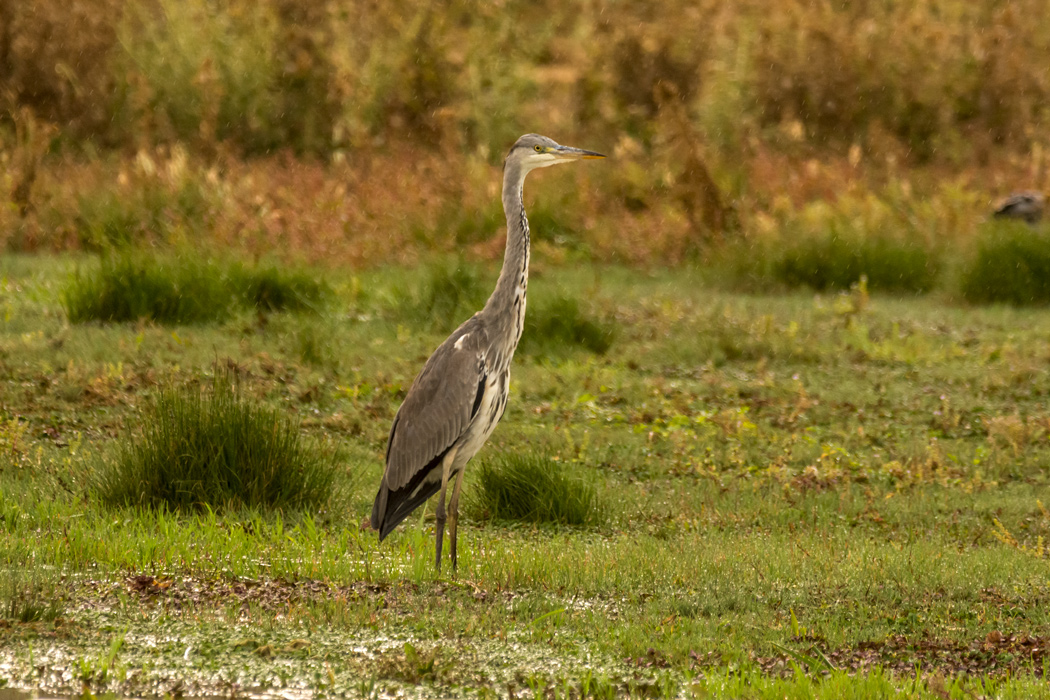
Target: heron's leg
x,y
453,516
439,515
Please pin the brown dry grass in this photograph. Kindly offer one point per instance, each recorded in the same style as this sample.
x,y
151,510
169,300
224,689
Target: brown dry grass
x,y
55,59
385,205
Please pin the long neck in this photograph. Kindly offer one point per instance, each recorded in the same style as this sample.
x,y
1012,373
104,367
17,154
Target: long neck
x,y
506,306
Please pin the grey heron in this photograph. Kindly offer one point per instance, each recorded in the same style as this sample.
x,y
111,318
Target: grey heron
x,y
458,398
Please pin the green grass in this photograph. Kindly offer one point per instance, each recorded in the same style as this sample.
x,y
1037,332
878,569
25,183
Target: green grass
x,y
1012,266
182,289
29,597
129,288
451,292
533,489
272,288
216,450
836,261
556,324
789,484
447,294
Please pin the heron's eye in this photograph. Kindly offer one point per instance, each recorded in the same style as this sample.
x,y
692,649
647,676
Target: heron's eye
x,y
538,148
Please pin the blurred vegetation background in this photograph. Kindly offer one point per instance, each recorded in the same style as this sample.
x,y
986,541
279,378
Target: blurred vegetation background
x,y
350,133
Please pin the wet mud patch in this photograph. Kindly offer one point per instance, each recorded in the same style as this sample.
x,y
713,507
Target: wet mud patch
x,y
182,591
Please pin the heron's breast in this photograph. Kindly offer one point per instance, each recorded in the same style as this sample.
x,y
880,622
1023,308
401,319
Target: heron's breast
x,y
493,404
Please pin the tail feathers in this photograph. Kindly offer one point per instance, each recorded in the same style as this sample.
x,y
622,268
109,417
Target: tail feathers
x,y
379,508
400,506
393,506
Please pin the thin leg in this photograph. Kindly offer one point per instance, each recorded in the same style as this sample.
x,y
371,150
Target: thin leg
x,y
446,468
453,516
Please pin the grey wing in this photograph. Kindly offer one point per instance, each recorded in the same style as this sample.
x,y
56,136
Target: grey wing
x,y
440,405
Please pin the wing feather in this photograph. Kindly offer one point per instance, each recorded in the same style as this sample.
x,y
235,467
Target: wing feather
x,y
439,406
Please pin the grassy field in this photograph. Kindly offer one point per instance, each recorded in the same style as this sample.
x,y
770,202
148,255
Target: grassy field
x,y
769,436
796,495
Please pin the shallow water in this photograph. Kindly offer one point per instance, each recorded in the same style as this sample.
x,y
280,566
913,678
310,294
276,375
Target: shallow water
x,y
190,657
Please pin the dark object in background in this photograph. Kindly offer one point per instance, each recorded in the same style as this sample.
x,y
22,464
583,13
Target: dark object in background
x,y
1027,206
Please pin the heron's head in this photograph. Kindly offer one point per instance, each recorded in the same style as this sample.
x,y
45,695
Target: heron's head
x,y
533,151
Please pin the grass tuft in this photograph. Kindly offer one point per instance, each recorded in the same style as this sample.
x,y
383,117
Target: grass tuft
x,y
534,489
274,289
29,599
558,324
836,261
129,288
447,297
216,449
1012,266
